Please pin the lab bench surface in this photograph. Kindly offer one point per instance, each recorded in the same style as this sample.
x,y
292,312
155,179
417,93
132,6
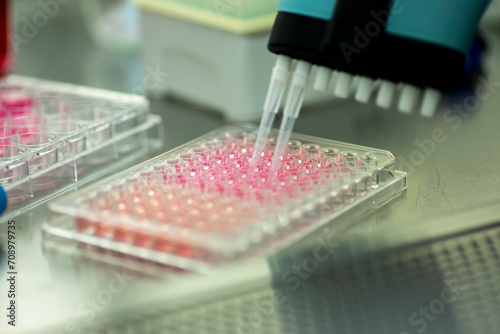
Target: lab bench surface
x,y
441,235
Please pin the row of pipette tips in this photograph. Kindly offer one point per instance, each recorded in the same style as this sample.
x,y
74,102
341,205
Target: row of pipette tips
x,y
293,105
343,85
364,87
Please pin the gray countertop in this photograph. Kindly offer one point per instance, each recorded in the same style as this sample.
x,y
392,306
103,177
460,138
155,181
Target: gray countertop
x,y
452,160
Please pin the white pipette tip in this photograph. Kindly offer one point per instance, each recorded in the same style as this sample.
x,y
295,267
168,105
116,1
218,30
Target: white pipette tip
x,y
430,103
279,77
293,105
284,62
334,79
295,96
364,90
323,77
343,85
283,137
408,99
386,94
302,74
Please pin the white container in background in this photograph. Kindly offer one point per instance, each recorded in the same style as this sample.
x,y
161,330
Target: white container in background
x,y
215,57
112,24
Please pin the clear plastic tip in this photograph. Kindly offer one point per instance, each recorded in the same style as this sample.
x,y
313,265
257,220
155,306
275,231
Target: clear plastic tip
x,y
284,136
274,96
293,105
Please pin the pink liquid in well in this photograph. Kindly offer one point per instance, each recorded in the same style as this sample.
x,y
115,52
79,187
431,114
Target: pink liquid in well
x,y
210,191
16,103
16,114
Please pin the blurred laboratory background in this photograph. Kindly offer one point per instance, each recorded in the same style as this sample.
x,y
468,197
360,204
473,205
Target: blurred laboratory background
x,y
426,261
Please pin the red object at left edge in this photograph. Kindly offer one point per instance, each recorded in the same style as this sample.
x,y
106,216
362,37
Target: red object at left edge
x,y
4,40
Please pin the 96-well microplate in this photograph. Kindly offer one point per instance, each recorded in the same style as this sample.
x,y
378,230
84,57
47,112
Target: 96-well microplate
x,y
200,205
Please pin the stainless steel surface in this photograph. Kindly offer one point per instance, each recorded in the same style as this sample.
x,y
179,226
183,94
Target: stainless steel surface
x,y
446,287
457,181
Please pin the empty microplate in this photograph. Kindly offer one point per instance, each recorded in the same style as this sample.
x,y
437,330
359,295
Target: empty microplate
x,y
199,205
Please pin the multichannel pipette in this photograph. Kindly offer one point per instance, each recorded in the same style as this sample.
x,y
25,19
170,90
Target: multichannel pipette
x,y
277,85
383,44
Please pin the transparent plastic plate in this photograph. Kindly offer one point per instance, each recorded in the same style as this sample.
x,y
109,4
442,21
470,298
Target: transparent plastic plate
x,y
55,136
199,205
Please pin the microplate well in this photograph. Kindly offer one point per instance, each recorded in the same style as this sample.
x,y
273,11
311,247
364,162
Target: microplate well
x,y
199,205
54,136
